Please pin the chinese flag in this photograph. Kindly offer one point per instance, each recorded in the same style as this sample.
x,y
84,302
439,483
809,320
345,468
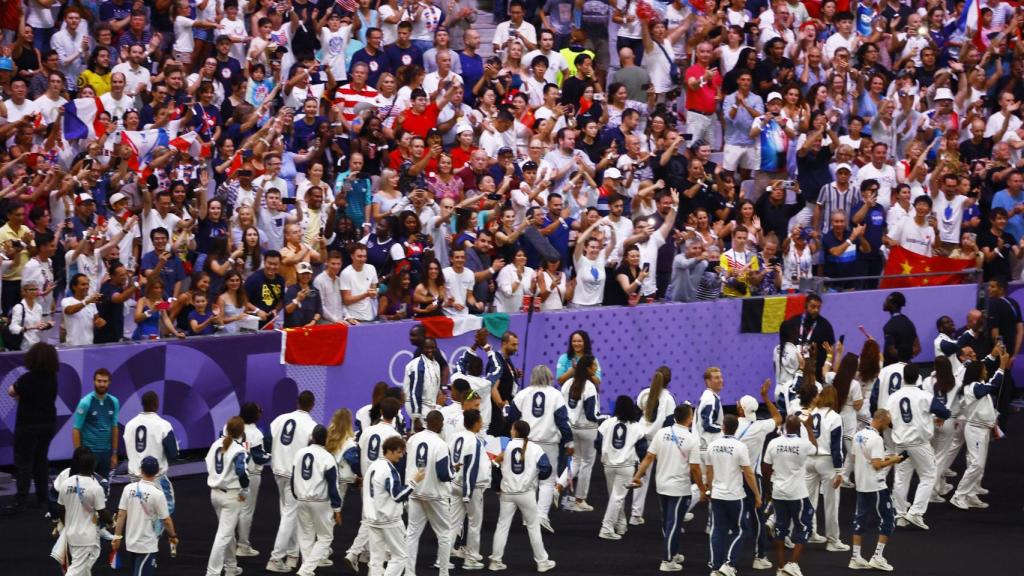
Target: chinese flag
x,y
902,262
314,346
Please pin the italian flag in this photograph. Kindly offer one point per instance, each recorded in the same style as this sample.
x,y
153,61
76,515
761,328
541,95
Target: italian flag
x,y
314,346
449,327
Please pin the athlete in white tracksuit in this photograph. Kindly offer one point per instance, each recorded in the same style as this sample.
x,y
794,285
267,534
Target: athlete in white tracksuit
x,y
147,434
913,411
318,503
83,499
584,412
256,445
889,381
429,501
289,433
980,412
384,496
472,479
542,407
752,433
707,423
523,464
945,385
825,468
656,416
622,441
228,479
422,382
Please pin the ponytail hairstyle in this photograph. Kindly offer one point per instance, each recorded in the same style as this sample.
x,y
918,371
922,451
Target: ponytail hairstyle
x,y
654,396
944,378
522,430
580,376
235,429
844,377
339,431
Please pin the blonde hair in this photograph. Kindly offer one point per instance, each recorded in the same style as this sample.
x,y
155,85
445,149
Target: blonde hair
x,y
339,431
710,371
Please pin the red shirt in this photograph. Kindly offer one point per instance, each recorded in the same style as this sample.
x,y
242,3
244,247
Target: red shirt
x,y
420,124
460,157
703,98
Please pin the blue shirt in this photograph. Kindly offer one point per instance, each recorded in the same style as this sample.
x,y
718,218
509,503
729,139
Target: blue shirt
x,y
559,239
874,227
1015,225
378,64
737,130
95,418
172,272
472,70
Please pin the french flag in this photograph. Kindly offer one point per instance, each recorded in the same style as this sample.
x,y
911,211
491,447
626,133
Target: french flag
x,y
190,143
81,119
142,144
970,19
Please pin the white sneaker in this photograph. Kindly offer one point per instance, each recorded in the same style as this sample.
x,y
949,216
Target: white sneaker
x,y
916,520
817,539
859,563
688,516
278,565
582,507
949,473
459,552
762,564
678,559
945,488
497,566
670,567
981,491
959,503
727,570
545,523
545,565
236,571
245,550
437,564
352,560
901,522
880,563
835,545
975,502
471,564
936,499
606,535
325,562
636,520
620,529
292,562
792,569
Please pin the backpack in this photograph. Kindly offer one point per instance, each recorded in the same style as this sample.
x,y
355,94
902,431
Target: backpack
x,y
12,341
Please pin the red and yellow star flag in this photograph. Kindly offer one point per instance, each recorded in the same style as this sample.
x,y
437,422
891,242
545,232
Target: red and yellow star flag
x,y
766,315
902,262
314,346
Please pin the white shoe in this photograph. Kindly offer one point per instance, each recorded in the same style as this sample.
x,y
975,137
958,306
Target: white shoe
x,y
688,516
636,520
324,563
438,565
792,569
901,522
879,563
959,503
936,499
981,491
949,473
497,566
545,523
975,502
278,565
916,520
292,562
945,488
245,551
582,507
835,545
762,564
670,567
471,564
678,559
859,563
726,570
236,571
606,535
352,560
817,539
459,553
545,565
620,529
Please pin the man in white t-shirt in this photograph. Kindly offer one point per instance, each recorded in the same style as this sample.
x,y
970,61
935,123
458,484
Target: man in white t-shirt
x,y
557,66
920,233
728,468
785,459
948,208
142,512
158,215
1004,125
137,77
459,281
116,102
83,499
514,30
359,286
80,312
881,172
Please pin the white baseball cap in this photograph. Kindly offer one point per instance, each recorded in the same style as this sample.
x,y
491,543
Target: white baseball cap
x,y
117,197
613,173
463,127
774,96
943,94
844,166
304,268
749,405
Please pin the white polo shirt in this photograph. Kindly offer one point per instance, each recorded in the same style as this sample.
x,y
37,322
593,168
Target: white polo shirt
x,y
787,455
727,456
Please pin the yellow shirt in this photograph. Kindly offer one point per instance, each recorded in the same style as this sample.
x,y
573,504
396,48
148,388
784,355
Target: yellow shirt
x,y
99,82
742,263
18,262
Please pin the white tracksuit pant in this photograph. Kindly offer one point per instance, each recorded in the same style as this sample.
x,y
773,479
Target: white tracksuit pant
x,y
248,510
285,543
615,513
82,559
583,457
546,488
315,531
976,440
383,541
459,511
922,461
948,441
848,463
527,506
821,472
437,513
640,493
228,508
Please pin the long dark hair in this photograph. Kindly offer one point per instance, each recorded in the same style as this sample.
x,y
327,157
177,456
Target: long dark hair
x,y
580,376
522,428
870,362
654,396
944,378
586,344
625,409
240,296
41,358
844,377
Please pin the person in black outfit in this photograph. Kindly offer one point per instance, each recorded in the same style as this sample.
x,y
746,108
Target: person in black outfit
x,y
900,334
813,328
113,294
36,422
1004,323
773,211
997,245
973,336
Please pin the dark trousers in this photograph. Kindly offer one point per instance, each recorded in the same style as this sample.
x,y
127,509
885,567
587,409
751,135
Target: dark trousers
x,y
755,519
10,294
142,564
871,266
728,527
102,462
31,446
673,508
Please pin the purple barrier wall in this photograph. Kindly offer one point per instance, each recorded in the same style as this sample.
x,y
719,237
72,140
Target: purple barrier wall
x,y
201,382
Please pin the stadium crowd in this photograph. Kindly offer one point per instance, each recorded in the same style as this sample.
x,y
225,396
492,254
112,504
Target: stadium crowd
x,y
175,168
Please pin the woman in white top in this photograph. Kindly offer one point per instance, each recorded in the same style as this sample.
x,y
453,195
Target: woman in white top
x,y
591,260
798,259
388,196
184,41
949,437
729,53
869,367
619,102
584,406
27,317
390,14
657,404
314,177
788,363
341,439
552,287
900,210
514,281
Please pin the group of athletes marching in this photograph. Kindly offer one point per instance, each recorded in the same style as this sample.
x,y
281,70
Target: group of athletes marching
x,y
433,463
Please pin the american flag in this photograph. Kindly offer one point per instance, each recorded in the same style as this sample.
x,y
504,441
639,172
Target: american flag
x,y
347,5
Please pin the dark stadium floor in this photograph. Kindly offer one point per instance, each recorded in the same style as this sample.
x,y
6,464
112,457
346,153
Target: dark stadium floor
x,y
958,543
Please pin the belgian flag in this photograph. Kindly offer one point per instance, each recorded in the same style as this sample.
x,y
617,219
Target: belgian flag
x,y
765,315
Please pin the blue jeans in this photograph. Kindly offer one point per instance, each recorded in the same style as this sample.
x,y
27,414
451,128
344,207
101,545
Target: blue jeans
x,y
102,462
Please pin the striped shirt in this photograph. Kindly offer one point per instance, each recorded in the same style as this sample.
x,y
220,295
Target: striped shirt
x,y
830,198
349,97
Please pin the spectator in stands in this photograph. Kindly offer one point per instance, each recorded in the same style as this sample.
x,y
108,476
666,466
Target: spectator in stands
x,y
303,305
